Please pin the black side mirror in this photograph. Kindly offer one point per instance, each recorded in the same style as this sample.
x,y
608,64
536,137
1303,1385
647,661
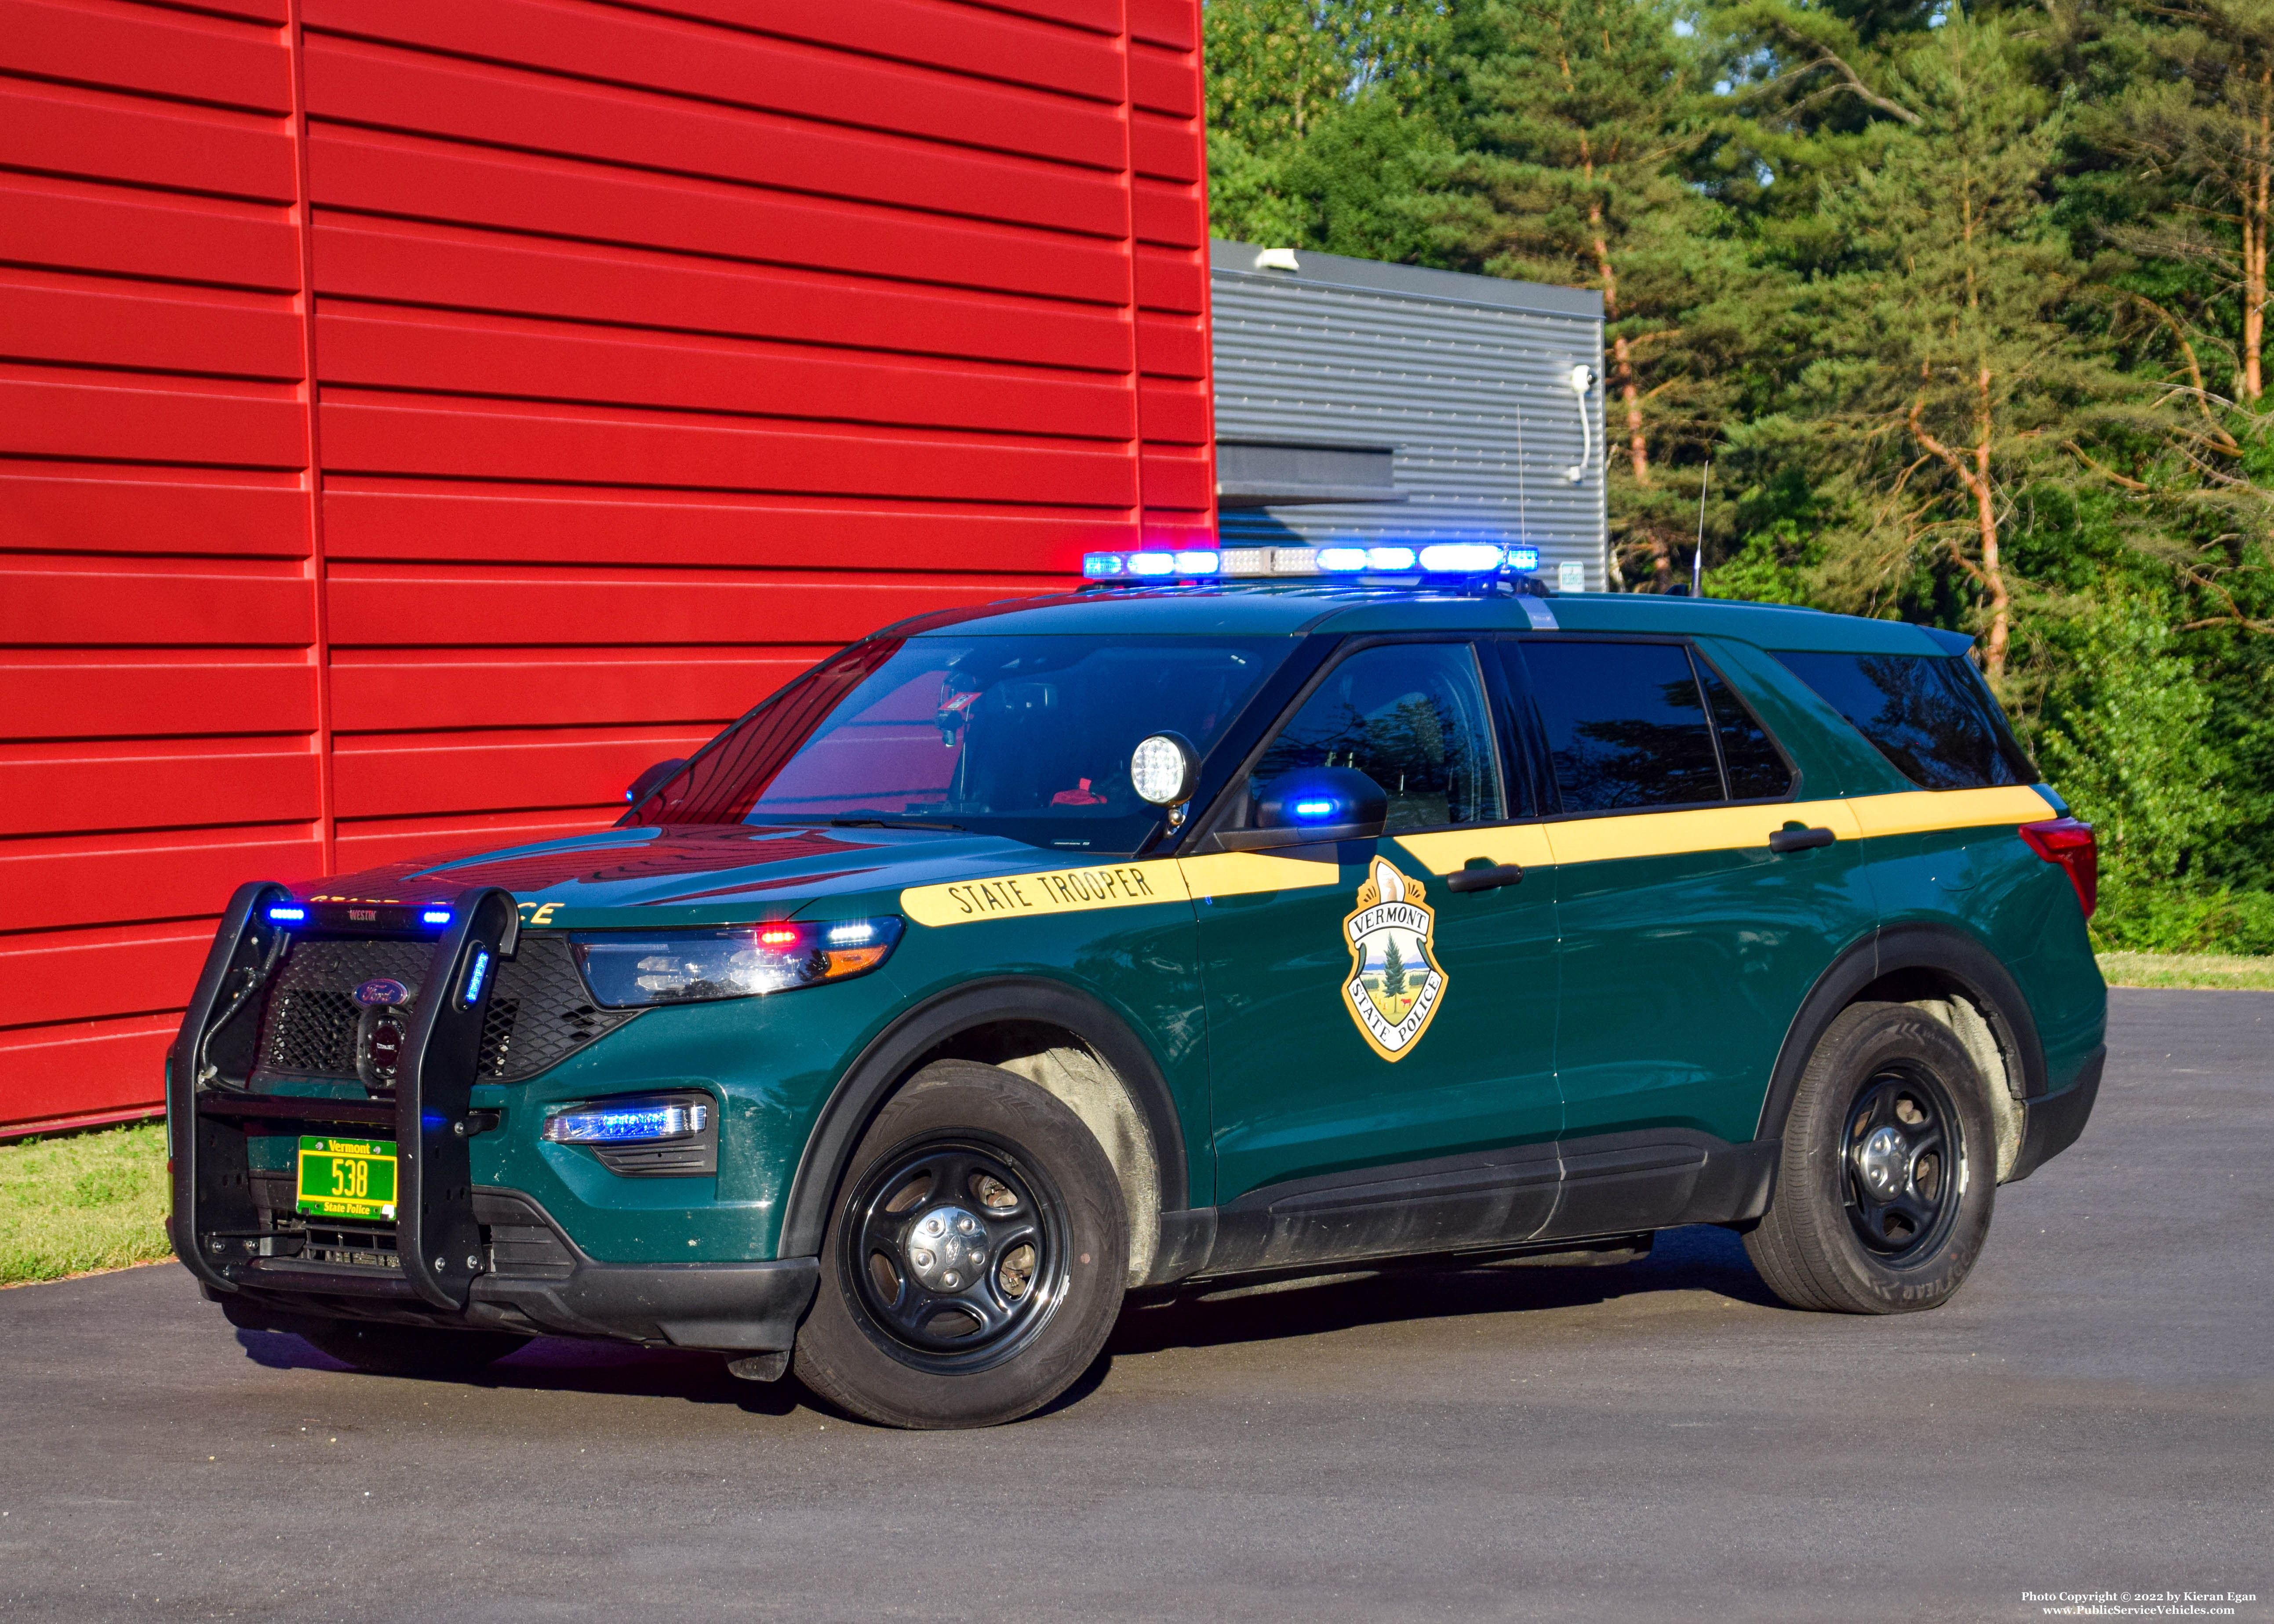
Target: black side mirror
x,y
648,782
1312,805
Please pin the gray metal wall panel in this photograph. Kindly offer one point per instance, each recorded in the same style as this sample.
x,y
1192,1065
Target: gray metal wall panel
x,y
1455,385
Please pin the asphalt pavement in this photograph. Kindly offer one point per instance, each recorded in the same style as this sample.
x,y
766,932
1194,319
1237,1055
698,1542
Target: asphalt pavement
x,y
2093,1414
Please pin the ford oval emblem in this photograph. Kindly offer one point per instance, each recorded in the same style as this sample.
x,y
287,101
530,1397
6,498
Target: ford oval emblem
x,y
381,991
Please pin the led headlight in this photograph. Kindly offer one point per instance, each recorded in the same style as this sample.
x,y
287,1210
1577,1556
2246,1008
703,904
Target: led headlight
x,y
625,969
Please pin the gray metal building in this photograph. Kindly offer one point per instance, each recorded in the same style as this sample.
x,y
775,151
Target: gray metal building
x,y
1361,401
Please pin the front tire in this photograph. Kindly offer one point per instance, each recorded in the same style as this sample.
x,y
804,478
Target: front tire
x,y
975,1260
1888,1172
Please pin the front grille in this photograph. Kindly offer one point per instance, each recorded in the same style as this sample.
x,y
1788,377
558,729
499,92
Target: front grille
x,y
538,1014
519,1239
351,1247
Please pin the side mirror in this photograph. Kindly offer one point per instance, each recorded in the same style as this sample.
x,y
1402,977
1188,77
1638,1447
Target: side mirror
x,y
1312,804
648,782
1164,769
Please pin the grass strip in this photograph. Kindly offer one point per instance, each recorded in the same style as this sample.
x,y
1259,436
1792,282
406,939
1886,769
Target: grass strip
x,y
2187,970
81,1202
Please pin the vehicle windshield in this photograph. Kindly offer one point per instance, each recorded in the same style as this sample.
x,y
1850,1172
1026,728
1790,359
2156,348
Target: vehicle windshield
x,y
1028,738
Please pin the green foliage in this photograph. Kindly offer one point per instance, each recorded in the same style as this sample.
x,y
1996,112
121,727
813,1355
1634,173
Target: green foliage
x,y
1965,305
82,1201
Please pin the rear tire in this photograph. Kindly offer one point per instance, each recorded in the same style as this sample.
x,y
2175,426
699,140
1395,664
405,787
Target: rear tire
x,y
974,1259
413,1351
1888,1172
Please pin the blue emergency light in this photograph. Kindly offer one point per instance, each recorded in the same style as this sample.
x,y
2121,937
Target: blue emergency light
x,y
639,1122
1473,559
434,916
287,914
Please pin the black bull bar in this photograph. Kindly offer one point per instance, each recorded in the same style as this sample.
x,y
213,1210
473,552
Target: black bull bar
x,y
213,1114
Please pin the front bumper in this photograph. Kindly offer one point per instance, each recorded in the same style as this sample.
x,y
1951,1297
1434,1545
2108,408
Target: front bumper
x,y
537,1283
2053,1123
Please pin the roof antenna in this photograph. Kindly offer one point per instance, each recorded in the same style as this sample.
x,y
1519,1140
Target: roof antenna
x,y
1698,559
1523,514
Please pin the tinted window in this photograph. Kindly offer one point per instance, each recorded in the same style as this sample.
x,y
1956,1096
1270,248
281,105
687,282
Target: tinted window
x,y
1756,770
1625,724
1411,716
1928,714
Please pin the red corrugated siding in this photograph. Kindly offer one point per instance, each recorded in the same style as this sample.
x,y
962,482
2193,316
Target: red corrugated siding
x,y
416,417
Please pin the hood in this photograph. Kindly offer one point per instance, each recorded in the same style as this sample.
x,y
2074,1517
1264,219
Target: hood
x,y
698,873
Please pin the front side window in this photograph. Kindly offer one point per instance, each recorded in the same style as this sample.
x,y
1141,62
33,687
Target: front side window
x,y
1025,737
1928,714
1411,716
1626,725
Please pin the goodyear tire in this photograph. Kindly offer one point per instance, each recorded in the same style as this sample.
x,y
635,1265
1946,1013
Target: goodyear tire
x,y
974,1262
412,1351
1888,1171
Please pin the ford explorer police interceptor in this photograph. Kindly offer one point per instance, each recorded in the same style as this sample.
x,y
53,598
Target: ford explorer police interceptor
x,y
1254,913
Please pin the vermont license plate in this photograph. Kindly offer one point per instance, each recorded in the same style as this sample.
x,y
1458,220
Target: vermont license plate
x,y
347,1179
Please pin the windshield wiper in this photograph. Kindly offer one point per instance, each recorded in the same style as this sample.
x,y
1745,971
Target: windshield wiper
x,y
891,822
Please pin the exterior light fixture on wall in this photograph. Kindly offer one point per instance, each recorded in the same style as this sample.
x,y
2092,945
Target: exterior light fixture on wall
x,y
1583,378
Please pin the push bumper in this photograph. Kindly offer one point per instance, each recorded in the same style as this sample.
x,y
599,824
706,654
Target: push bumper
x,y
2053,1123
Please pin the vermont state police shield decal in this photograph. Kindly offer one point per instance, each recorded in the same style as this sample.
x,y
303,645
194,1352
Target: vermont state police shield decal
x,y
1394,984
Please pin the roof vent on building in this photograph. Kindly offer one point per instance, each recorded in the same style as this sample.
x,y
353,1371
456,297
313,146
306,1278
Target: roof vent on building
x,y
1276,260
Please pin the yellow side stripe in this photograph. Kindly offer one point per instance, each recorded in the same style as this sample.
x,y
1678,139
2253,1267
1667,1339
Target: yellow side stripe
x,y
1446,851
1921,811
1050,890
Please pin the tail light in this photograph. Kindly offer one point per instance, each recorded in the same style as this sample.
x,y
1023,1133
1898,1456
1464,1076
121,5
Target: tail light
x,y
2066,842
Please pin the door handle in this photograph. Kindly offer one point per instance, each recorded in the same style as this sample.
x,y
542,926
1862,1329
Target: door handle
x,y
1799,839
1485,879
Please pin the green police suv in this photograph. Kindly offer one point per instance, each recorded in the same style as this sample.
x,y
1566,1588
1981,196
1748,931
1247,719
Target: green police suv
x,y
1245,913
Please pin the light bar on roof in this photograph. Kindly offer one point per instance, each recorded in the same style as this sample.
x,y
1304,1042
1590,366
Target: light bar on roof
x,y
1451,558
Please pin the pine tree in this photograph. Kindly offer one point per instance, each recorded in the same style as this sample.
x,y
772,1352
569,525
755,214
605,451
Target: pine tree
x,y
1393,970
1578,119
1946,383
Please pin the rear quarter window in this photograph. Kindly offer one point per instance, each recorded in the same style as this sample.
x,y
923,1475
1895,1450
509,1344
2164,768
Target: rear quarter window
x,y
1928,714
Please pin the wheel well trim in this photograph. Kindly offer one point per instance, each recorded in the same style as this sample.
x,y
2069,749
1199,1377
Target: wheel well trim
x,y
881,1068
1944,949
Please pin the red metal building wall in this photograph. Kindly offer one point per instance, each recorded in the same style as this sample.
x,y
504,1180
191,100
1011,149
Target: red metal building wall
x,y
416,416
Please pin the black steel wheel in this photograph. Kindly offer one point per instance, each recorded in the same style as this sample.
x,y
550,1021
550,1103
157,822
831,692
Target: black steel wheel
x,y
1902,1137
1888,1171
975,1260
956,1250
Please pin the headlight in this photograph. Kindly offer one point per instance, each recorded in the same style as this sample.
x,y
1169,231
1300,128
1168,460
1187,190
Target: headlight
x,y
624,969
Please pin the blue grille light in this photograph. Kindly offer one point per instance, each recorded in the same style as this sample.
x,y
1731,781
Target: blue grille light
x,y
1102,566
1523,558
1314,808
435,916
287,914
1152,564
859,933
626,1125
475,975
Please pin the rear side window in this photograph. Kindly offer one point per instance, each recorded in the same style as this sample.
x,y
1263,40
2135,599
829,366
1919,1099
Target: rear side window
x,y
1626,725
1928,714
